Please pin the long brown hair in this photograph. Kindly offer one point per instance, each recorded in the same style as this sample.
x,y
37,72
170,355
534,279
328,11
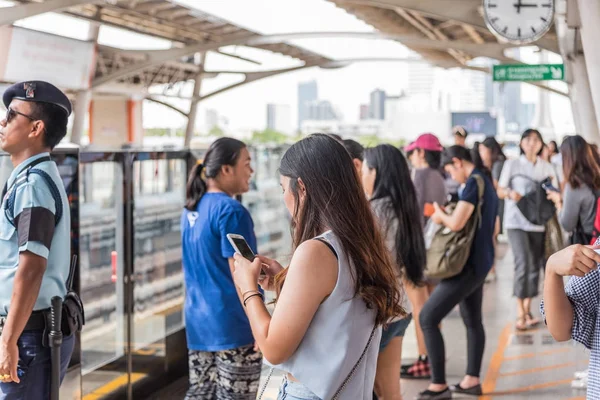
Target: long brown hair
x,y
335,200
579,164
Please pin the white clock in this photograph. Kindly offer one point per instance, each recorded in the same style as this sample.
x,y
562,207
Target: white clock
x,y
519,21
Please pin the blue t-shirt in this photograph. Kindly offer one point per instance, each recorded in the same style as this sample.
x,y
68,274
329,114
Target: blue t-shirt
x,y
214,317
482,251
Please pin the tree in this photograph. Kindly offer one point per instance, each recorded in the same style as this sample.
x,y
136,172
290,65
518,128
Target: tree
x,y
216,131
374,140
269,136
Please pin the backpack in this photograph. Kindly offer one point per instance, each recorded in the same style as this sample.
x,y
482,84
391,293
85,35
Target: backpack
x,y
449,251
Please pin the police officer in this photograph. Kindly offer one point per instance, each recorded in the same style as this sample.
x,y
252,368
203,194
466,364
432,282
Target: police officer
x,y
34,248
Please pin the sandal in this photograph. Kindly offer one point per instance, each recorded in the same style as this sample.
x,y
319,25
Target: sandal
x,y
521,324
531,321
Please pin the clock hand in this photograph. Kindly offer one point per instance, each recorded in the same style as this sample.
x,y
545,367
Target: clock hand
x,y
528,5
518,6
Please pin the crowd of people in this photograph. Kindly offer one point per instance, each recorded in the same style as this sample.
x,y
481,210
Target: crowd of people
x,y
368,226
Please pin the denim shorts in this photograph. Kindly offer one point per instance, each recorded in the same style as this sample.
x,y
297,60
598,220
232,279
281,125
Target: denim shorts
x,y
291,390
393,330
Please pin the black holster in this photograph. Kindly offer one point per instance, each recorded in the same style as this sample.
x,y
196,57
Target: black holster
x,y
73,318
73,315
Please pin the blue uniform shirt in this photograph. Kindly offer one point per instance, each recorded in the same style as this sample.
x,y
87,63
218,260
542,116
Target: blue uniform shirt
x,y
214,317
35,231
482,250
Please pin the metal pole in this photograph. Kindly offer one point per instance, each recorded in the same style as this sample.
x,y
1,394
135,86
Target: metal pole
x,y
193,114
84,97
589,12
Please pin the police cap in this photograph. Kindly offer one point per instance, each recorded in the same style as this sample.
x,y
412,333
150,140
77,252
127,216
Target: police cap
x,y
37,92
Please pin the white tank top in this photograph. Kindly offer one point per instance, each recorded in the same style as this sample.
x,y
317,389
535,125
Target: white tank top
x,y
335,339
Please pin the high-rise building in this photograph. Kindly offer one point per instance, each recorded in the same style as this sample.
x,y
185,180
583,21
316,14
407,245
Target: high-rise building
x,y
279,118
211,119
421,78
377,105
364,111
322,110
527,116
307,94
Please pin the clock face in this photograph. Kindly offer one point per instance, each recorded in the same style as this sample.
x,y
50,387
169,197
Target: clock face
x,y
519,21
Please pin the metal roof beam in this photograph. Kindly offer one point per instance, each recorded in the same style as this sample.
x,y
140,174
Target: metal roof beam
x,y
173,14
152,7
15,13
164,103
152,58
255,76
462,11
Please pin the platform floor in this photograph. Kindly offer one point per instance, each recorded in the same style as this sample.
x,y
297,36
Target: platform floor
x,y
517,365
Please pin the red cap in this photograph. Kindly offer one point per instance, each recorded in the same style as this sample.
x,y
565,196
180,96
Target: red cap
x,y
427,141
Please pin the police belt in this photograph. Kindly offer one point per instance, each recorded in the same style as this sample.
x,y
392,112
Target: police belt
x,y
37,321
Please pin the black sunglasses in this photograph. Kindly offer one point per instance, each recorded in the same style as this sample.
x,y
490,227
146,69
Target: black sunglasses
x,y
11,114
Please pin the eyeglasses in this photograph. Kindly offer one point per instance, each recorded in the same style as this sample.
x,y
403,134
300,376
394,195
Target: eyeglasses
x,y
11,114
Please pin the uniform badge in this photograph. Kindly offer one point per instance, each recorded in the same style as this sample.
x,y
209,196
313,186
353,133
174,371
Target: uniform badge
x,y
29,90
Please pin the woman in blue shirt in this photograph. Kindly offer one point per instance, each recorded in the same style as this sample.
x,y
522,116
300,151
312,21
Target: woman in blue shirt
x,y
222,360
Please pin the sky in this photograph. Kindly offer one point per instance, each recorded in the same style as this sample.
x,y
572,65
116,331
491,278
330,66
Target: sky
x,y
245,107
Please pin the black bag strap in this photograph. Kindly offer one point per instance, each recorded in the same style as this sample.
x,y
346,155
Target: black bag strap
x,y
530,179
480,193
30,165
10,201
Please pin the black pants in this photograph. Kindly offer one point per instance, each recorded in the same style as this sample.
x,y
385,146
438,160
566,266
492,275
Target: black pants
x,y
465,289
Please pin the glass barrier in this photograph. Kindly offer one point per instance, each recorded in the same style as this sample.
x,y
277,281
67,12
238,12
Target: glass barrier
x,y
265,203
101,263
102,271
159,195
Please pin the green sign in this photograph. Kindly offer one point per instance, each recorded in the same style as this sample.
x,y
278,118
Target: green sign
x,y
525,72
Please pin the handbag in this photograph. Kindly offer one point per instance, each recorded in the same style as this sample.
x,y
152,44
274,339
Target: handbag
x,y
344,383
535,206
579,236
553,238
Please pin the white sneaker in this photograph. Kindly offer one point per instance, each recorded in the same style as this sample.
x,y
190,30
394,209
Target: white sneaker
x,y
579,384
581,374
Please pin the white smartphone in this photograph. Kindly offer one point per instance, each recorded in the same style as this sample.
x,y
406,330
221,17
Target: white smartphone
x,y
239,243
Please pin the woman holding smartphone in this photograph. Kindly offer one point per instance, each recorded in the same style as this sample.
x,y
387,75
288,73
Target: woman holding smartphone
x,y
339,288
223,362
387,184
577,205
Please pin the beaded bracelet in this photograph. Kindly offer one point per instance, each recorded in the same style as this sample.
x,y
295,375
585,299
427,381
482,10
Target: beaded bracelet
x,y
251,296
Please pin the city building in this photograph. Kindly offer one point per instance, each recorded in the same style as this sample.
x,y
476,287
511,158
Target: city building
x,y
212,119
322,110
279,118
307,94
347,130
364,112
377,105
